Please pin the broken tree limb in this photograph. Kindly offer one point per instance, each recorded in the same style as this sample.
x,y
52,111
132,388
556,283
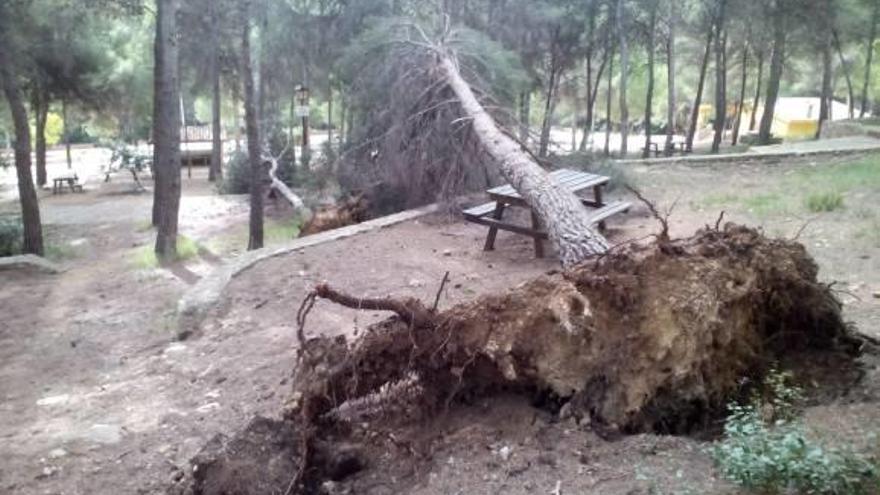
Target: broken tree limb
x,y
565,217
409,310
295,201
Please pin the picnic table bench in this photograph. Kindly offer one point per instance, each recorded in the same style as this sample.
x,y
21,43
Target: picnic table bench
x,y
674,147
71,180
491,213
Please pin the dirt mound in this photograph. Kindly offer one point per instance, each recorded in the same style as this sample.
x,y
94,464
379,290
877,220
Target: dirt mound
x,y
646,338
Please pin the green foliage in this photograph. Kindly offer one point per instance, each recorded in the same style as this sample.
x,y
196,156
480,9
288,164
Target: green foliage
x,y
767,450
824,201
11,232
144,258
129,158
237,177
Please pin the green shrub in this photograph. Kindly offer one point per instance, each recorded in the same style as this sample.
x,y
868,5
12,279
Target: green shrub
x,y
772,454
826,201
237,176
11,232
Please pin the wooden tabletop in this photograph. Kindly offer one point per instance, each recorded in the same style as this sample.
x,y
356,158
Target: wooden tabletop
x,y
572,180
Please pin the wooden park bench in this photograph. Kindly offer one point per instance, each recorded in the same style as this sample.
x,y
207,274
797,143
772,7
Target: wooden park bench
x,y
490,214
72,181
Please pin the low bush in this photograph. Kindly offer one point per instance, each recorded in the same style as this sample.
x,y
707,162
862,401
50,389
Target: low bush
x,y
765,449
824,202
11,232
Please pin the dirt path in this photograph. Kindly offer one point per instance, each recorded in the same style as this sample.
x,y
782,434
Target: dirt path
x,y
98,397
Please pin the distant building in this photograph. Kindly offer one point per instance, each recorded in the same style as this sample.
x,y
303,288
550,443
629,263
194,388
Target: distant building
x,y
798,117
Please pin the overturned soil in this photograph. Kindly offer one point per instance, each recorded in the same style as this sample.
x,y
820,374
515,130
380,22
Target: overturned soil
x,y
97,397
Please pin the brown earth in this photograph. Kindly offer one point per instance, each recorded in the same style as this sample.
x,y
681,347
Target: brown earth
x,y
99,398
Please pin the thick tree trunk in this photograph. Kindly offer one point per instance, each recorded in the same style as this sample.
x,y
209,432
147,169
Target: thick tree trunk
x,y
742,94
216,171
624,69
30,207
754,117
608,98
720,78
875,16
255,237
777,63
566,220
330,112
844,66
670,76
649,100
166,130
695,112
588,68
41,115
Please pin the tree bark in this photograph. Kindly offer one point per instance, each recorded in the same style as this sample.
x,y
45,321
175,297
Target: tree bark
x,y
524,111
720,79
566,219
330,111
549,107
649,100
216,171
695,112
588,68
41,114
30,207
825,98
777,63
255,237
166,130
67,153
608,106
870,58
624,69
592,94
754,117
670,75
742,94
844,66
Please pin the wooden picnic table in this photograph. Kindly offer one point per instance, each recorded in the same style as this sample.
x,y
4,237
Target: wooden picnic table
x,y
71,180
490,214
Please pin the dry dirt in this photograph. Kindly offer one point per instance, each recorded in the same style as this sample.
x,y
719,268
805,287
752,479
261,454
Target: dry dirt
x,y
98,397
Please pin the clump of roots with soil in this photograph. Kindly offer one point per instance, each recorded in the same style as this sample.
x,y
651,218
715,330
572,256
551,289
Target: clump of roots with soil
x,y
648,337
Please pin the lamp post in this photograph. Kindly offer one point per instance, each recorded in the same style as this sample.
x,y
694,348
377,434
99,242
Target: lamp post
x,y
302,96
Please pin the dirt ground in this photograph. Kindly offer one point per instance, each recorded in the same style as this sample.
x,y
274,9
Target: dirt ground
x,y
98,397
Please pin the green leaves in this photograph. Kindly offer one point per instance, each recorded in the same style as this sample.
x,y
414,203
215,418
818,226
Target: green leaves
x,y
775,455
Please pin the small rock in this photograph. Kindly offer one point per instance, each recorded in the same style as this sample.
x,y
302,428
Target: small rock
x,y
505,452
175,348
208,407
876,294
105,434
57,453
54,400
447,252
416,283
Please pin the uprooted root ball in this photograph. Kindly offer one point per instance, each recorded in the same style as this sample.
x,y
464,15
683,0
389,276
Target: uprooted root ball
x,y
652,337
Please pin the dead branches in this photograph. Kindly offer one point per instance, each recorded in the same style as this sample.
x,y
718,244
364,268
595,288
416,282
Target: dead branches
x,y
663,236
410,310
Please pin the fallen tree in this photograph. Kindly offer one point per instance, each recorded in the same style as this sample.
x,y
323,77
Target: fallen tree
x,y
644,338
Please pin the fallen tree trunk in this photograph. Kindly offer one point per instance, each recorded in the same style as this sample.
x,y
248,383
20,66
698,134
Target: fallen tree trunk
x,y
566,219
280,187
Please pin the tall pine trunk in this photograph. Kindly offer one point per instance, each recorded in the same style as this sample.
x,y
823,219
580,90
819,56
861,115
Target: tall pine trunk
x,y
255,237
624,69
875,16
41,115
30,207
525,110
777,64
608,98
754,117
670,76
698,99
66,134
588,69
844,66
216,171
825,98
549,107
649,99
565,218
166,130
720,78
742,94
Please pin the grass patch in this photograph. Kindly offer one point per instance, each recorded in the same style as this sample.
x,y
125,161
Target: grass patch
x,y
144,258
281,230
824,201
